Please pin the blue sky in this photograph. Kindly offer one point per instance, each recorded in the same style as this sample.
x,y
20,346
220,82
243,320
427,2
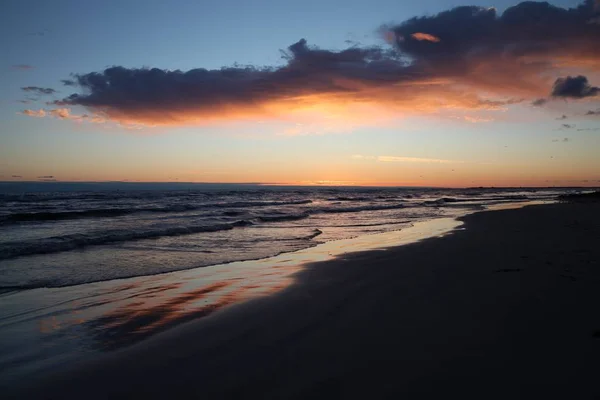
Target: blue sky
x,y
518,145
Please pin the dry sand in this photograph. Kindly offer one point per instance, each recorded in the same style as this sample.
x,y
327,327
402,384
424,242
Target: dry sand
x,y
506,308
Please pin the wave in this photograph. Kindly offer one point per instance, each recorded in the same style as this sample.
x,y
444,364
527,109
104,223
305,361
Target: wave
x,y
233,213
282,217
345,198
55,244
313,235
328,210
360,208
245,204
93,213
58,244
117,212
61,215
445,200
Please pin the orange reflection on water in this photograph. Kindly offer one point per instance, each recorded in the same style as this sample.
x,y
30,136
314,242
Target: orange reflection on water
x,y
157,307
113,314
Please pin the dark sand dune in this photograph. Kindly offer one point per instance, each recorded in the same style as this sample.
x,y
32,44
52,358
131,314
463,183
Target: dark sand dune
x,y
507,308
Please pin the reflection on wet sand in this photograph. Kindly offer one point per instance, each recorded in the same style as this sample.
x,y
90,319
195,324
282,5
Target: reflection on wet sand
x,y
136,320
149,310
65,324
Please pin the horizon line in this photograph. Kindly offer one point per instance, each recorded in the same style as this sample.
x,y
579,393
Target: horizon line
x,y
296,184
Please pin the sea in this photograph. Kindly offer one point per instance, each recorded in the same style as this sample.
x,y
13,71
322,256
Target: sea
x,y
87,269
55,234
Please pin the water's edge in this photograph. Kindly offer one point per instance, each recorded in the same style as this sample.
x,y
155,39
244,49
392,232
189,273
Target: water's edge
x,y
43,327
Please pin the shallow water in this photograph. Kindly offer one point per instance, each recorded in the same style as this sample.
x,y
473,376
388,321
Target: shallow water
x,y
78,235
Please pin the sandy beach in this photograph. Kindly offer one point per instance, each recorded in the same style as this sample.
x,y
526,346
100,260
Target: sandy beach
x,y
503,307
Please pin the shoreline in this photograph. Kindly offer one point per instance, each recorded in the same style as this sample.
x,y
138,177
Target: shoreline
x,y
505,307
79,323
392,238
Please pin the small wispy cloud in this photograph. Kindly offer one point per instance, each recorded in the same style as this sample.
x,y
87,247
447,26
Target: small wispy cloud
x,y
562,118
405,159
38,90
23,67
361,157
60,113
43,32
564,140
64,113
417,160
34,113
477,120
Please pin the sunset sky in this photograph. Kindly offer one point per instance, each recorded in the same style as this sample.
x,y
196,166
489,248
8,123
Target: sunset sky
x,y
314,92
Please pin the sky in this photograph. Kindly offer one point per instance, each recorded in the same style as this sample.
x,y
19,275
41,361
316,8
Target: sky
x,y
428,93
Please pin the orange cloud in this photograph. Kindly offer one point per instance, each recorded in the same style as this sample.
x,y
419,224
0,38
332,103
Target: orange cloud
x,y
425,36
480,60
64,113
34,113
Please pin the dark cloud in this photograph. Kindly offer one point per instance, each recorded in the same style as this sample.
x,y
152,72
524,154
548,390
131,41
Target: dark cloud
x,y
525,29
465,57
155,94
68,82
23,67
476,41
46,177
564,140
16,176
574,87
539,102
38,90
561,118
568,126
591,112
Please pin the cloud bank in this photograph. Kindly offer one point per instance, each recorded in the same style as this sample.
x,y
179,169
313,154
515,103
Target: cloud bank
x,y
464,58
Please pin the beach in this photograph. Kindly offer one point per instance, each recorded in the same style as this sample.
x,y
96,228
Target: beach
x,y
505,306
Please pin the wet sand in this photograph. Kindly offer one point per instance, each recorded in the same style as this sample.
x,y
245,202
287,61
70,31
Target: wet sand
x,y
505,308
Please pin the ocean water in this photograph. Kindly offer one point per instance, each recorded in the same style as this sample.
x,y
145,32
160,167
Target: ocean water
x,y
87,269
63,234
